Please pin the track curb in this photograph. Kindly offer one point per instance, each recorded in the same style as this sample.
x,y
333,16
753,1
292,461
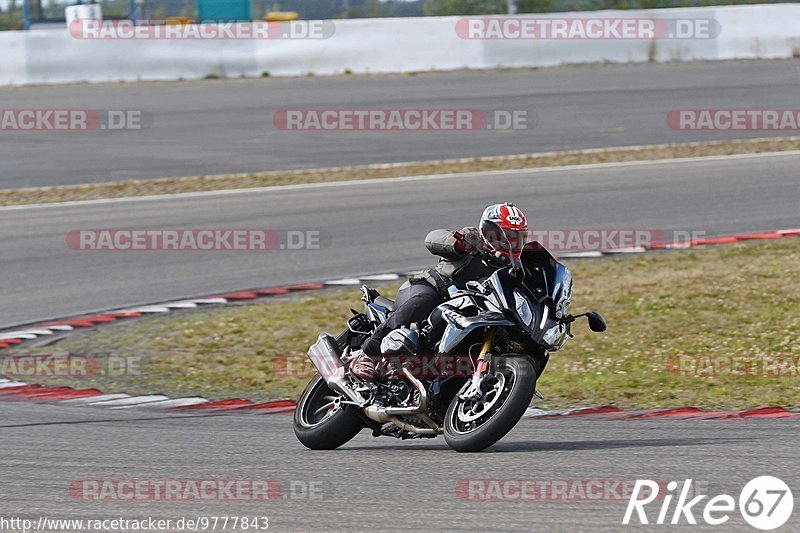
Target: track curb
x,y
36,330
15,391
612,412
11,390
20,391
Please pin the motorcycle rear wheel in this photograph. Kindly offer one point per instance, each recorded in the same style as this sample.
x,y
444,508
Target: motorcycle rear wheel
x,y
320,423
473,425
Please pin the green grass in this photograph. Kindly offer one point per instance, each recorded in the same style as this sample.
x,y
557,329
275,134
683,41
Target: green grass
x,y
732,300
121,189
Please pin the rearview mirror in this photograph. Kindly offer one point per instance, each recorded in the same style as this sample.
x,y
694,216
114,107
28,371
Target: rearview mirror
x,y
497,238
494,235
596,321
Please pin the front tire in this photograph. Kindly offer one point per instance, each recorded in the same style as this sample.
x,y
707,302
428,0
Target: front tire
x,y
320,421
473,425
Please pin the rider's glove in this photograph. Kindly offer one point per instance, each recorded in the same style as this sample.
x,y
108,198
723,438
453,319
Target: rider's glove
x,y
469,240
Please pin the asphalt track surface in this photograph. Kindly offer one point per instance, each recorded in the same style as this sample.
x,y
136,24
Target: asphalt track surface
x,y
373,484
377,484
372,227
224,126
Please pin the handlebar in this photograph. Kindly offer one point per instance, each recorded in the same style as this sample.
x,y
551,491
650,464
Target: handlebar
x,y
493,259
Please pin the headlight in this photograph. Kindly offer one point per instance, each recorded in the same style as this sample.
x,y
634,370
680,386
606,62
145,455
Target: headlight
x,y
567,293
564,298
555,336
523,308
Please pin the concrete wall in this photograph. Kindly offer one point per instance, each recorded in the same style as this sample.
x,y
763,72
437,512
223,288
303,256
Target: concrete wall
x,y
386,45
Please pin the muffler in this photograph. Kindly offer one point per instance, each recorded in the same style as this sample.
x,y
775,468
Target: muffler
x,y
324,355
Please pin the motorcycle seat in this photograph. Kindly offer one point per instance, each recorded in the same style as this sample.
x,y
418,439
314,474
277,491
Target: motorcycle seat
x,y
384,302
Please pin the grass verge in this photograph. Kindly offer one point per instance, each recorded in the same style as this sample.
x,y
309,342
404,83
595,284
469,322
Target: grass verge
x,y
705,305
121,189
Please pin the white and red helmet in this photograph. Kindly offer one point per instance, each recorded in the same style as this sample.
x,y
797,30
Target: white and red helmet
x,y
512,221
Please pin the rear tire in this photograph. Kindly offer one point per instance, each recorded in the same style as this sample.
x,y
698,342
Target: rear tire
x,y
515,392
319,428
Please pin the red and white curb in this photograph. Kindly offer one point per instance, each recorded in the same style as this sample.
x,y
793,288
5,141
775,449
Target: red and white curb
x,y
709,241
611,412
16,390
10,339
21,391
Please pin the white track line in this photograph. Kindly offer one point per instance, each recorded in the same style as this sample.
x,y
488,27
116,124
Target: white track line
x,y
181,305
629,250
401,179
39,331
580,254
9,384
380,277
17,335
533,412
177,402
96,399
132,400
146,309
211,301
344,281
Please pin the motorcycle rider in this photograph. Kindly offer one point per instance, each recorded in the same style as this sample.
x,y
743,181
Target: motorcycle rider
x,y
466,254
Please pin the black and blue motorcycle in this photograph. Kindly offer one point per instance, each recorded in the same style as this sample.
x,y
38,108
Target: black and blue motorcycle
x,y
501,330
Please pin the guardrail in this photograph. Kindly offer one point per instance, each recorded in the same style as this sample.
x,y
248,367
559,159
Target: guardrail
x,y
391,45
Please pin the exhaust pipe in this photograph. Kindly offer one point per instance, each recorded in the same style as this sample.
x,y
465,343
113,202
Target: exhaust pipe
x,y
324,355
434,430
341,384
386,414
391,414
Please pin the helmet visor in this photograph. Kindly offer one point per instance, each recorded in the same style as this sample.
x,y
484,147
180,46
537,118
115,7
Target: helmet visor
x,y
503,240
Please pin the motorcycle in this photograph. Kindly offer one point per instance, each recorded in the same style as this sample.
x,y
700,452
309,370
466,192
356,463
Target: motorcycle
x,y
502,328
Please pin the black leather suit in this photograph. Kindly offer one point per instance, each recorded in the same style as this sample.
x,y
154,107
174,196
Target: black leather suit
x,y
421,294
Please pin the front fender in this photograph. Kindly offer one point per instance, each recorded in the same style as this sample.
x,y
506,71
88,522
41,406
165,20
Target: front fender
x,y
459,326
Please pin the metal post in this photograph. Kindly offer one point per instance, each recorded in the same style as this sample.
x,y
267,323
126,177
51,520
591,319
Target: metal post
x,y
26,21
512,7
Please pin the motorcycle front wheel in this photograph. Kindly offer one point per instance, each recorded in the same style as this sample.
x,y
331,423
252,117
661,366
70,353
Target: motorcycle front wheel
x,y
474,424
320,421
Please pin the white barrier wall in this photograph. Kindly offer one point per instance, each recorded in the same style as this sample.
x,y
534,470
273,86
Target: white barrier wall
x,y
386,45
13,57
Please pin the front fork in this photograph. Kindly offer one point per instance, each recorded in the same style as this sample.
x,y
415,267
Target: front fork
x,y
474,389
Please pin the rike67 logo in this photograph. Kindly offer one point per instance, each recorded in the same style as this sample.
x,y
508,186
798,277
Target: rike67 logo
x,y
766,503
